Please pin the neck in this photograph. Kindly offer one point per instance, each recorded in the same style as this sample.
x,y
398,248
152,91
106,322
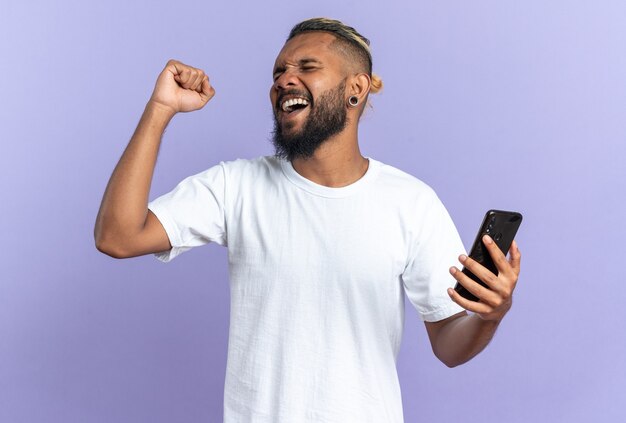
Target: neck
x,y
336,163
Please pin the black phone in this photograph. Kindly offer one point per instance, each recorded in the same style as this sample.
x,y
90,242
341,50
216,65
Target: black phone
x,y
501,226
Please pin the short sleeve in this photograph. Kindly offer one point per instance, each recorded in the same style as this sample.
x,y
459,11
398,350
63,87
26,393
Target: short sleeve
x,y
193,212
434,247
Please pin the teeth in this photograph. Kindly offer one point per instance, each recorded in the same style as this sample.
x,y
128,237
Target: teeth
x,y
289,103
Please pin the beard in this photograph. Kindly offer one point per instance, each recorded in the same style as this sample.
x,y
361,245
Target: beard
x,y
327,117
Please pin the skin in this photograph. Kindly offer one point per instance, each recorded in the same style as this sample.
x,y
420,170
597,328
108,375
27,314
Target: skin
x,y
126,228
459,338
338,162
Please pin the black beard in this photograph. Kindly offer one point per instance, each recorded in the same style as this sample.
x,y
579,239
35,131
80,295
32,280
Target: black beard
x,y
327,117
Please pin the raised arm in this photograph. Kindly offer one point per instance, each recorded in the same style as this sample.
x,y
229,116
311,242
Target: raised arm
x,y
124,226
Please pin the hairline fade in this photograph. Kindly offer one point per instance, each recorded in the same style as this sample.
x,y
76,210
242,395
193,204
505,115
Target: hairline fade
x,y
347,39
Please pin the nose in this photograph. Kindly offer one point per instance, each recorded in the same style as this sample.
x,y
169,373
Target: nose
x,y
287,79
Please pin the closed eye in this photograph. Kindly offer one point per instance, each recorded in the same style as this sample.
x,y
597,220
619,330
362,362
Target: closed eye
x,y
304,68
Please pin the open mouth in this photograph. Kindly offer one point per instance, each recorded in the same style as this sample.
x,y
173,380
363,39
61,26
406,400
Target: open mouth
x,y
294,105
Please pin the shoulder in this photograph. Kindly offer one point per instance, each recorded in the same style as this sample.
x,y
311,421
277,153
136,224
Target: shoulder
x,y
247,172
242,165
226,171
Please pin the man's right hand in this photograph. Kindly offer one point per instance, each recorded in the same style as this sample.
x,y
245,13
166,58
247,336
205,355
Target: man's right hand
x,y
182,88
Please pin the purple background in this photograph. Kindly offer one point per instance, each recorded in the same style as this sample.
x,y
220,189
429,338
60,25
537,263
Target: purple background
x,y
495,104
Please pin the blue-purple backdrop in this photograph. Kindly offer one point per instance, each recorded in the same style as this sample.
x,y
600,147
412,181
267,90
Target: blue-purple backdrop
x,y
495,104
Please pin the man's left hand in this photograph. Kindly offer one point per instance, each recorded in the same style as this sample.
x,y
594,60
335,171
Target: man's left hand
x,y
494,302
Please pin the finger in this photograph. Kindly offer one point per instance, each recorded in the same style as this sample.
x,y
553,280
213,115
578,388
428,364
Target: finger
x,y
497,255
197,86
207,89
178,68
183,77
483,294
202,86
188,76
177,79
200,83
191,80
474,306
516,257
195,79
484,274
174,67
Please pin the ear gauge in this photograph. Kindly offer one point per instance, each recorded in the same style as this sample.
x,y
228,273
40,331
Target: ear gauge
x,y
353,101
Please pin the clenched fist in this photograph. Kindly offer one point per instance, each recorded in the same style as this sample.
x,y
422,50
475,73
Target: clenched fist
x,y
182,88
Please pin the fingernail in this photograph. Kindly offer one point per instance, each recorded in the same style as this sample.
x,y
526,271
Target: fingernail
x,y
487,239
453,270
462,258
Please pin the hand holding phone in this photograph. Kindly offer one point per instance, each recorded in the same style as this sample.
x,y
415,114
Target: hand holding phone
x,y
501,226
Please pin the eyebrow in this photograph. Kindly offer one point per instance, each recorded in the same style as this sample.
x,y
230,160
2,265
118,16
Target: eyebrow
x,y
308,60
301,62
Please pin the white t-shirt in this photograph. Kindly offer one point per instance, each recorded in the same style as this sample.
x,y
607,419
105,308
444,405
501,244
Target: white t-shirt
x,y
318,277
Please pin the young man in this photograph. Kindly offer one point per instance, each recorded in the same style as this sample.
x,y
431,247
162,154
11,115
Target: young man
x,y
323,243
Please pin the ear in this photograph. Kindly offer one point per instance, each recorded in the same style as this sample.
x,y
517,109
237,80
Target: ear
x,y
360,85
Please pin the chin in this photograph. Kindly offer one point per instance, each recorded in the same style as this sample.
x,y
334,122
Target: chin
x,y
291,129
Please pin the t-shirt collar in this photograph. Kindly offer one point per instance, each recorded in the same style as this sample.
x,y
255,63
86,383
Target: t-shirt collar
x,y
330,192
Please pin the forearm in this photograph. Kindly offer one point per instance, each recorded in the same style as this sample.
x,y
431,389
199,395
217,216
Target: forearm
x,y
463,338
123,208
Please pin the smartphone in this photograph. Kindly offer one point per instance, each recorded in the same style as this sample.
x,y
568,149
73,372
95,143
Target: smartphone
x,y
501,226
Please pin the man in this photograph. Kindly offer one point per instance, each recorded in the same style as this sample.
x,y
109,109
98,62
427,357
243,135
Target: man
x,y
323,243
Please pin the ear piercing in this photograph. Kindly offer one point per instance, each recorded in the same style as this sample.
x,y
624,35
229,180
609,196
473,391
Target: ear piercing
x,y
353,101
